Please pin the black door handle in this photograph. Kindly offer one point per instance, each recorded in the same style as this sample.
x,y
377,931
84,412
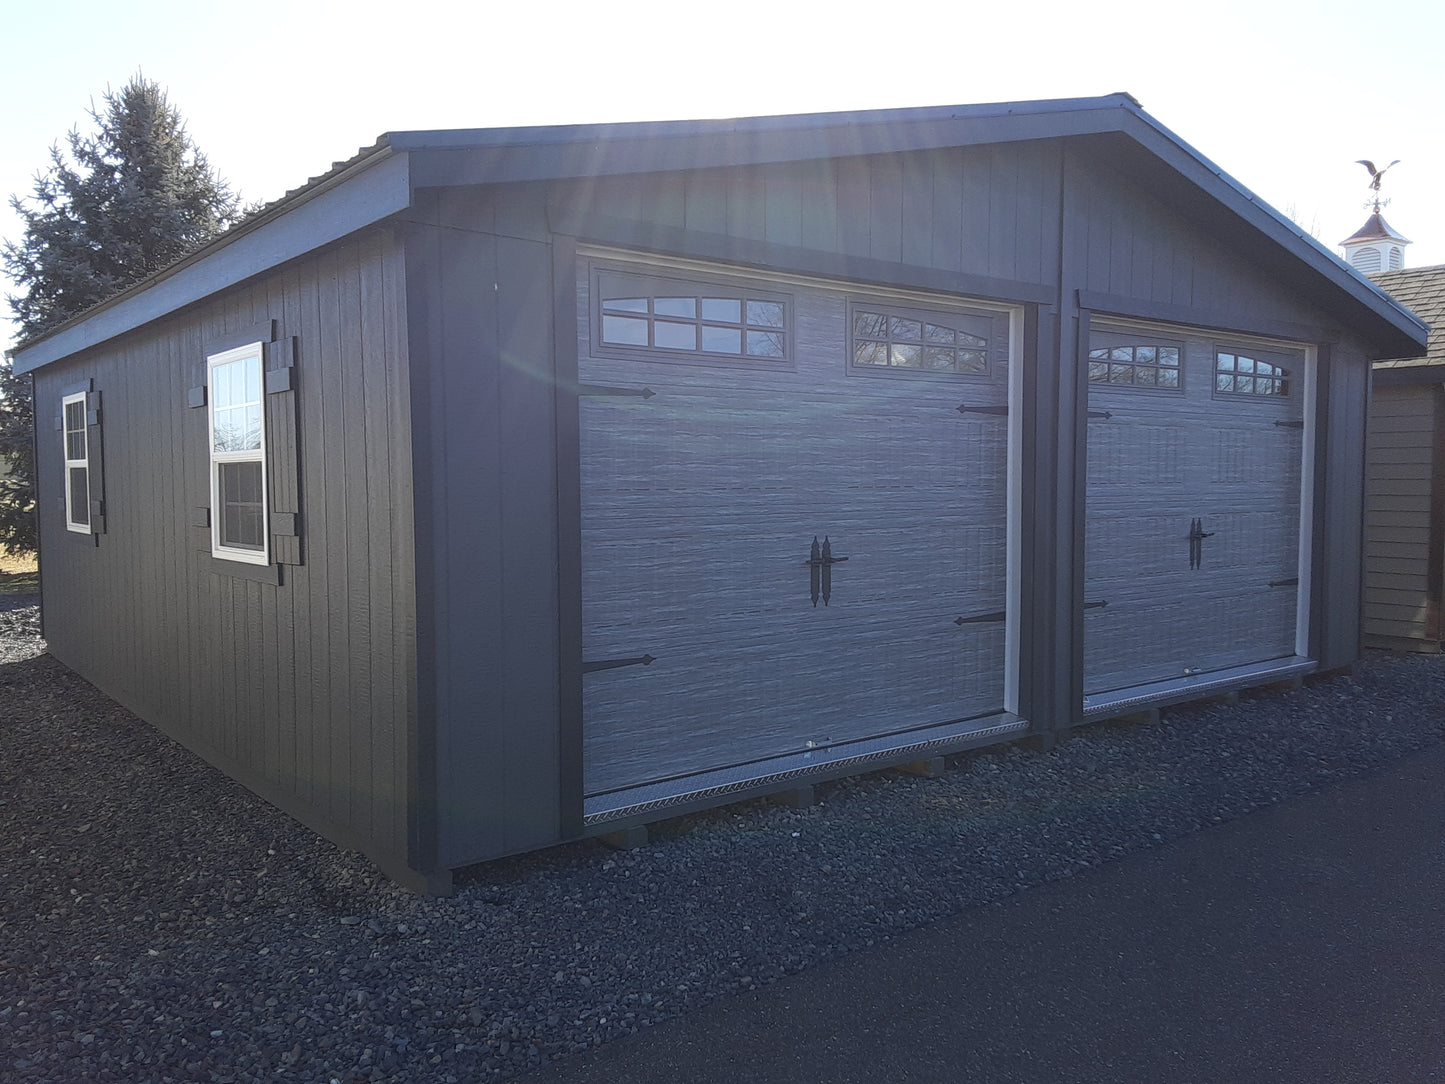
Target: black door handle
x,y
1197,535
821,562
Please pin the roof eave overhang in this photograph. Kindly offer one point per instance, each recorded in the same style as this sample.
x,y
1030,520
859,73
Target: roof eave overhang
x,y
371,188
655,148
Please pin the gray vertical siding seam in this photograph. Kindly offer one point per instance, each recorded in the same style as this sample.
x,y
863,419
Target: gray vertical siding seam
x,y
421,263
1073,449
569,530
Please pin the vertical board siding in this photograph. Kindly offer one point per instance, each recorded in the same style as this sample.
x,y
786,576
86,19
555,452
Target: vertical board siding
x,y
989,211
465,456
490,380
1339,566
529,556
292,688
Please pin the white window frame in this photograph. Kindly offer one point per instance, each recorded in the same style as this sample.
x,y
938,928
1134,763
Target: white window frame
x,y
262,556
80,526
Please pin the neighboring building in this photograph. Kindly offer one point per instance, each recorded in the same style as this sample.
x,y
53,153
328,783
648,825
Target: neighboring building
x,y
1405,493
500,488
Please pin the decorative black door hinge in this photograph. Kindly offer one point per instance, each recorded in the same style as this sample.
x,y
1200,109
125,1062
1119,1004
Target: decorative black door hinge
x,y
1096,605
616,664
1285,583
603,389
1197,535
820,575
1291,425
998,411
982,619
1102,414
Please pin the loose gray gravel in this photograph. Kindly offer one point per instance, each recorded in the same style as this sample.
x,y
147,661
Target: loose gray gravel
x,y
158,922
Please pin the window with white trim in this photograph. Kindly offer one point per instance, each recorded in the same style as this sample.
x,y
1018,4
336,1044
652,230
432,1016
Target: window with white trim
x,y
77,463
237,425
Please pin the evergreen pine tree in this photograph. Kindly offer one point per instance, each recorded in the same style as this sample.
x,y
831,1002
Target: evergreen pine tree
x,y
17,453
114,207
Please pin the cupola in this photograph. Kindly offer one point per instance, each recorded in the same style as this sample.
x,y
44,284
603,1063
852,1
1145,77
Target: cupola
x,y
1375,246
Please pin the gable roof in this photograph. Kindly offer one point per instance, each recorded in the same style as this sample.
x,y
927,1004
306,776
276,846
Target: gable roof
x,y
380,180
1422,291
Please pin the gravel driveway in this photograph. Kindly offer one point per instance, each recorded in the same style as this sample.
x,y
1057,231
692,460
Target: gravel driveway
x,y
158,922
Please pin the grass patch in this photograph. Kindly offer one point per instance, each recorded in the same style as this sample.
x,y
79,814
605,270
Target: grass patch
x,y
18,575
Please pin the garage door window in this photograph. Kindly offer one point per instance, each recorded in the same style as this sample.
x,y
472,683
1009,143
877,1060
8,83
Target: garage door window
x,y
1136,365
887,338
677,318
1237,374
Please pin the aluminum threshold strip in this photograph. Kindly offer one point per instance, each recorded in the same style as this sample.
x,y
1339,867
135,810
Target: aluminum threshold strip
x,y
843,759
1176,690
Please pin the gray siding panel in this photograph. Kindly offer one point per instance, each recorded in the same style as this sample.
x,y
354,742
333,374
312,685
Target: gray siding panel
x,y
961,210
240,670
1339,556
492,477
529,654
466,452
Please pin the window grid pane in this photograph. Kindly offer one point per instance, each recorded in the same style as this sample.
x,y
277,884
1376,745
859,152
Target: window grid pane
x,y
1139,365
79,494
885,340
236,399
697,323
239,489
77,462
1235,374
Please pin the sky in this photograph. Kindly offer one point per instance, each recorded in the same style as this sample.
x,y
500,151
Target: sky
x,y
1283,96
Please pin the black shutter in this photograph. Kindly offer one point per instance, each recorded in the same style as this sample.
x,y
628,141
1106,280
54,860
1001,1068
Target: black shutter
x,y
283,451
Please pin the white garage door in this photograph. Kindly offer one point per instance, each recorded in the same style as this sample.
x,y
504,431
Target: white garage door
x,y
1193,505
794,518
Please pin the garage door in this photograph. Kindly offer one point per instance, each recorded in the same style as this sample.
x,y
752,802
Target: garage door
x,y
1193,505
794,518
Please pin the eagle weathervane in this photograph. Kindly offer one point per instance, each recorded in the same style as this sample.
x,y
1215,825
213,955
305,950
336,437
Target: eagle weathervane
x,y
1375,177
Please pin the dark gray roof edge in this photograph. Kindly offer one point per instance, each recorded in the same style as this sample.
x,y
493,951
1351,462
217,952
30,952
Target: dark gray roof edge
x,y
1289,234
555,135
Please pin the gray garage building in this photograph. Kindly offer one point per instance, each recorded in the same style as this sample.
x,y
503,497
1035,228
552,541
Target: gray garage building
x,y
505,487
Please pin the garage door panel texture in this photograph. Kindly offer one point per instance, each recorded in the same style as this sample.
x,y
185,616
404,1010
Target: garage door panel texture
x,y
804,554
1193,511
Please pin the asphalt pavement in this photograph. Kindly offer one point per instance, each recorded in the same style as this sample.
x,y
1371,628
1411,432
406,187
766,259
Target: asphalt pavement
x,y
1300,943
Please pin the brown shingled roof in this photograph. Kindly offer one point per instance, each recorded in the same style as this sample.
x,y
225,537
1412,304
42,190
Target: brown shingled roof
x,y
1422,291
